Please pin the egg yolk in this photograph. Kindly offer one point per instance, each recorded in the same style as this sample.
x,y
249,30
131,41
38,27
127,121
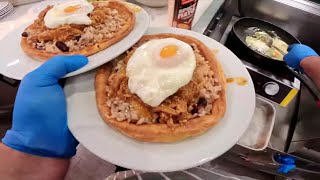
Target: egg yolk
x,y
169,51
71,9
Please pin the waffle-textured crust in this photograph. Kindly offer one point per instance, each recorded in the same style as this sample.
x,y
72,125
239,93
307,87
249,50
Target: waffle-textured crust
x,y
43,55
162,132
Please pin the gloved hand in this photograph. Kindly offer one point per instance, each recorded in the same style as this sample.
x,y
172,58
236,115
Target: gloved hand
x,y
39,117
297,52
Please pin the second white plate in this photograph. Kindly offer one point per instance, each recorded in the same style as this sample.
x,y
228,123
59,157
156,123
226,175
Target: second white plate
x,y
15,63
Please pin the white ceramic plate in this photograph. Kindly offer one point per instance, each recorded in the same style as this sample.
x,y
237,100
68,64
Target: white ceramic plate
x,y
15,63
87,126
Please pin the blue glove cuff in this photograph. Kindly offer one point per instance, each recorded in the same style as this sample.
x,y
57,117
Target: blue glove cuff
x,y
23,143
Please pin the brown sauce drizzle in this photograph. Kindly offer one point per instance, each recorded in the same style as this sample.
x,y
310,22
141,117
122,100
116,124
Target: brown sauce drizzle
x,y
134,8
241,81
215,51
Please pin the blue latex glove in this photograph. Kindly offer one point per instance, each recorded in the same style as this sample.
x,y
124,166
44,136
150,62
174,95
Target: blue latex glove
x,y
287,163
286,168
40,118
297,52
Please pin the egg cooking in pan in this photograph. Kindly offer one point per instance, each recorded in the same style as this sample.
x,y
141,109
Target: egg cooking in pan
x,y
158,68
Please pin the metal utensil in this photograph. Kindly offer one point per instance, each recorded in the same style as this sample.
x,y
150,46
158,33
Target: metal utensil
x,y
269,42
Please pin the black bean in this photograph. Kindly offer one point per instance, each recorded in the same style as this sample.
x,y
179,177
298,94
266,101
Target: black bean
x,y
202,102
78,37
24,34
158,120
194,109
62,46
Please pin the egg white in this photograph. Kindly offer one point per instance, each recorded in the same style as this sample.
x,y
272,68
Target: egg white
x,y
154,78
56,16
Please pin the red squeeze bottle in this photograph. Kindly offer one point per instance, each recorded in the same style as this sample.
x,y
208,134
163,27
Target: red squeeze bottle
x,y
181,13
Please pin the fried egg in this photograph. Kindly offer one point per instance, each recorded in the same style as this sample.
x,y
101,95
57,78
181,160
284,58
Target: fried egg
x,y
73,12
158,68
257,44
280,45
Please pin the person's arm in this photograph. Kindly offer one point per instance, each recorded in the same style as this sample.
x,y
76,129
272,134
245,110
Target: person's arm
x,y
311,66
40,144
304,58
18,165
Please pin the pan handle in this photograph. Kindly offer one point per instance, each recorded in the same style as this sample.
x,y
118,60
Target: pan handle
x,y
313,89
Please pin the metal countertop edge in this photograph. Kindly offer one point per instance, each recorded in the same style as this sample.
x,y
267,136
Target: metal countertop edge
x,y
203,22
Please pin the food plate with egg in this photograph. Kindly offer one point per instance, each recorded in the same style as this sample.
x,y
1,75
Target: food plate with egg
x,y
99,30
164,105
166,88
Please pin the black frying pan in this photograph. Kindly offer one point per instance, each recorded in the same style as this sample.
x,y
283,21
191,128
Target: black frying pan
x,y
240,32
240,29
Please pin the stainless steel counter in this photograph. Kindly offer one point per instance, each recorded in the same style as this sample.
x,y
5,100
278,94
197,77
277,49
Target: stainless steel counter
x,y
207,16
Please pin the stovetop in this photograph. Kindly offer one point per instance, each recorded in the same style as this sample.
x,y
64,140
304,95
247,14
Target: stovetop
x,y
285,127
283,73
277,85
281,91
